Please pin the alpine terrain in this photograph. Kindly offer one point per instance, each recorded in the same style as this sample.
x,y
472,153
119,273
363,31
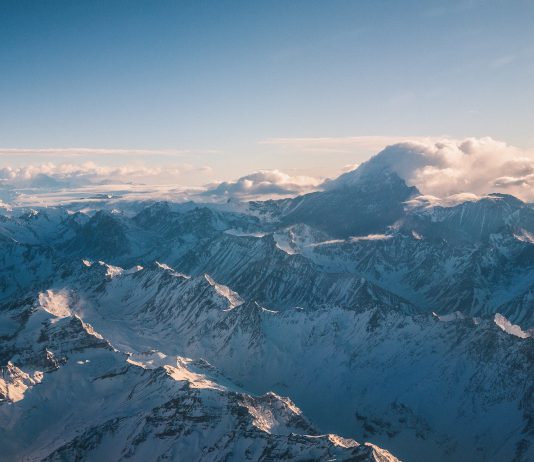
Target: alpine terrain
x,y
361,322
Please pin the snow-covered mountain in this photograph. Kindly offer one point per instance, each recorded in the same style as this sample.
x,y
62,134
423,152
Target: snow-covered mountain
x,y
261,330
68,394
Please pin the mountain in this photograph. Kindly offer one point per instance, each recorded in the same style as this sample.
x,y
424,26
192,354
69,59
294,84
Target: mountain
x,y
276,330
472,221
68,394
425,386
349,208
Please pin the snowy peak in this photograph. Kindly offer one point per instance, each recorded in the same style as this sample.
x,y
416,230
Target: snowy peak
x,y
469,221
151,404
357,203
14,382
233,297
370,177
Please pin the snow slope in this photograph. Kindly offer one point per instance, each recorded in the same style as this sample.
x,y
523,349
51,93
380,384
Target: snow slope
x,y
73,396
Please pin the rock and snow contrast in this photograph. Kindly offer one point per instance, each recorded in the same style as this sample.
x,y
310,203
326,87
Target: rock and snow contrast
x,y
363,322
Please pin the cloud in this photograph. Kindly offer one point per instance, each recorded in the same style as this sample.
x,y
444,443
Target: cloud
x,y
343,144
502,61
350,167
447,167
264,183
88,152
51,175
428,201
439,168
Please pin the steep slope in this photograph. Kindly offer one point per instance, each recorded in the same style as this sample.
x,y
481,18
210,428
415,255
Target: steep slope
x,y
260,270
368,205
470,221
476,257
478,278
426,387
67,394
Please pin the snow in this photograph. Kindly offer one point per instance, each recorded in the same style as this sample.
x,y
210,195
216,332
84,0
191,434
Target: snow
x,y
239,233
384,372
457,315
177,368
56,303
226,292
370,237
178,399
524,236
417,236
111,271
14,382
510,328
329,242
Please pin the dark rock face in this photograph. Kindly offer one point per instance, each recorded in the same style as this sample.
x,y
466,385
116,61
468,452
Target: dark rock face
x,y
367,207
103,236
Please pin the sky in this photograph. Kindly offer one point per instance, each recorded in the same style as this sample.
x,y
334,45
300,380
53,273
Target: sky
x,y
195,92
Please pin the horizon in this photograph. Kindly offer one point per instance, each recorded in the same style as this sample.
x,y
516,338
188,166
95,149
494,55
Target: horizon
x,y
281,230
444,171
193,94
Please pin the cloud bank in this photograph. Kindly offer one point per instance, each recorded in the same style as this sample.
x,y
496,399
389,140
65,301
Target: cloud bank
x,y
264,183
447,167
85,152
341,144
51,175
439,168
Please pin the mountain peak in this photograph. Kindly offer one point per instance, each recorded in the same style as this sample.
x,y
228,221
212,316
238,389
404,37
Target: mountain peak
x,y
365,201
364,177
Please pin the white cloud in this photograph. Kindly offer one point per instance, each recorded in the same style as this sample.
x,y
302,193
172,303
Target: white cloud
x,y
65,183
264,183
349,168
439,168
72,175
344,144
448,167
429,201
89,152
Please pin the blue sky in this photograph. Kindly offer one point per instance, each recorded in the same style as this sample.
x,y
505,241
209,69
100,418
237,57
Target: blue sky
x,y
240,86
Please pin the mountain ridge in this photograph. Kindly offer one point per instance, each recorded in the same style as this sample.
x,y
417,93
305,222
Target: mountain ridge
x,y
411,328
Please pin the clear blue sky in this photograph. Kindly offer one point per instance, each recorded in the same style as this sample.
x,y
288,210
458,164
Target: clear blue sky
x,y
224,75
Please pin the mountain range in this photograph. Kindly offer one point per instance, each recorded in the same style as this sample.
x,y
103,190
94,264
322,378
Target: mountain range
x,y
362,322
